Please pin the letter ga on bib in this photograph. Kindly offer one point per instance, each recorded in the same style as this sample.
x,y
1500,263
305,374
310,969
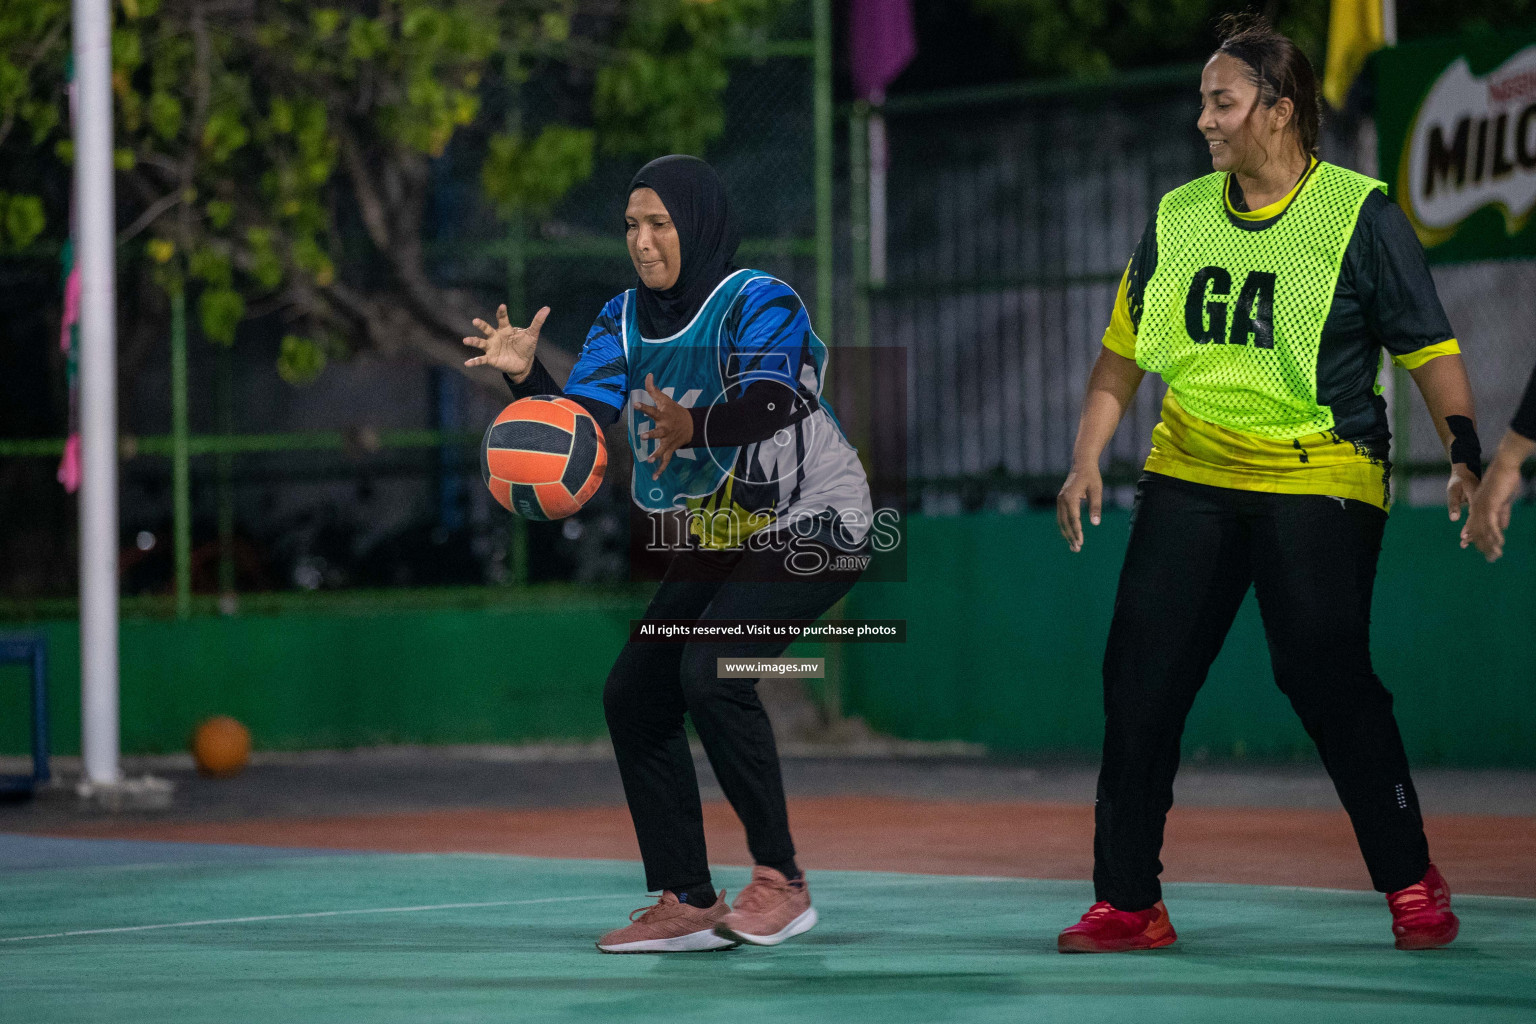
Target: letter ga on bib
x,y
1233,317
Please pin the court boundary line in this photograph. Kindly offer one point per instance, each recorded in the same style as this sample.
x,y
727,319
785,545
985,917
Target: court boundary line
x,y
895,875
299,916
329,855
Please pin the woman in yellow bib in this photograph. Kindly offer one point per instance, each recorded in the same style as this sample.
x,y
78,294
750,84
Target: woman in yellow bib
x,y
1264,294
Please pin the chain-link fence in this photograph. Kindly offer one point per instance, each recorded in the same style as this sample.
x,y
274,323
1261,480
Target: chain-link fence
x,y
1011,213
369,477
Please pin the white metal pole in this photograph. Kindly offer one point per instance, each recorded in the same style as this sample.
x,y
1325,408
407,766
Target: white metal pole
x,y
879,162
98,390
1389,22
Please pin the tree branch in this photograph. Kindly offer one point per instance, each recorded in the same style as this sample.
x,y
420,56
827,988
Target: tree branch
x,y
393,328
363,186
150,215
202,99
159,161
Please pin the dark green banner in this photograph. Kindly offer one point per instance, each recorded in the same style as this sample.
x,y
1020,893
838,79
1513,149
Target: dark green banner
x,y
1456,124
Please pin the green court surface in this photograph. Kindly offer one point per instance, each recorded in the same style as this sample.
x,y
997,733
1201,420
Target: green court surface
x,y
161,933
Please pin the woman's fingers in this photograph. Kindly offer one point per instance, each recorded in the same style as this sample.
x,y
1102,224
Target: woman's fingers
x,y
1490,541
1069,515
479,343
1454,499
501,317
1069,506
485,328
476,361
661,399
536,323
657,395
667,437
1064,507
1483,530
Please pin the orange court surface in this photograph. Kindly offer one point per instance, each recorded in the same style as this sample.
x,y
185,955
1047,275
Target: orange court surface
x,y
1249,825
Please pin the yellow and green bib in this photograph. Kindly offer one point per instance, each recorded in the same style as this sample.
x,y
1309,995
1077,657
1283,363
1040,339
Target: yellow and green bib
x,y
1233,315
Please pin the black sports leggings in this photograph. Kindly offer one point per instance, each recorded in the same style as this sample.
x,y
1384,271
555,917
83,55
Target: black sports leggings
x,y
1194,551
652,684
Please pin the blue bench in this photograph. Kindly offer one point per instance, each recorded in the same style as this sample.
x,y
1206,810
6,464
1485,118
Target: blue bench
x,y
30,649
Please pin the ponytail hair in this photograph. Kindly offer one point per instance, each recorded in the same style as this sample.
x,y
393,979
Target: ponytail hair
x,y
1277,67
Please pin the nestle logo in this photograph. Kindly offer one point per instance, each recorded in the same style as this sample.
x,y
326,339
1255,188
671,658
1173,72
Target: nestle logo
x,y
1512,87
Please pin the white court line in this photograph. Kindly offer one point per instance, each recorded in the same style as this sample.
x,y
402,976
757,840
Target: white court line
x,y
314,913
915,878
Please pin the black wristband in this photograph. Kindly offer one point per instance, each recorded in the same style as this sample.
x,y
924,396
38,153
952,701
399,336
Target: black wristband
x,y
1465,447
538,382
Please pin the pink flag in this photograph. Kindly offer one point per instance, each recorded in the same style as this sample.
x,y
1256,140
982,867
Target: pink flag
x,y
69,465
71,309
882,43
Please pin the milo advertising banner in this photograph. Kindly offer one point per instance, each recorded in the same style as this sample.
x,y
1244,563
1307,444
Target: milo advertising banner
x,y
1456,124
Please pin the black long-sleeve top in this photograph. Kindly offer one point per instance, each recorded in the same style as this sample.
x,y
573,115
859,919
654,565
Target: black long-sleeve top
x,y
760,412
1525,417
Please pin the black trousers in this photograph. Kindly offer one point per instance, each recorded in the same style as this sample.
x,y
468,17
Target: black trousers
x,y
652,684
1194,551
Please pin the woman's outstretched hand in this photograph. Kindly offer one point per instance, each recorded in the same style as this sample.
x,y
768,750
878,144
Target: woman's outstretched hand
x,y
673,425
507,348
1083,482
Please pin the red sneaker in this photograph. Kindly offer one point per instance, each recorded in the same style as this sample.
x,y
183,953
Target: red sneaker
x,y
1107,930
1421,913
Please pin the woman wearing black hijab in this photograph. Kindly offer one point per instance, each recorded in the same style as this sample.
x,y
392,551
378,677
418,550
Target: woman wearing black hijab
x,y
722,375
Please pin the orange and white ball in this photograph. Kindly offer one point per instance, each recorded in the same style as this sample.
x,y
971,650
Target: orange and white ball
x,y
543,457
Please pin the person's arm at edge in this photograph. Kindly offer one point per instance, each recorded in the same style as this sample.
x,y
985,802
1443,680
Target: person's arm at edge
x,y
1111,388
1489,515
1403,308
1448,395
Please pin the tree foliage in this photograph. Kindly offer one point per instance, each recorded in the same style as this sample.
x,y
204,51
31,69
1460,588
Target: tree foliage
x,y
269,150
1089,38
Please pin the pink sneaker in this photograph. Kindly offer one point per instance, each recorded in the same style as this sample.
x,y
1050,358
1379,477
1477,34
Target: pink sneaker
x,y
1107,930
769,910
1421,913
670,926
